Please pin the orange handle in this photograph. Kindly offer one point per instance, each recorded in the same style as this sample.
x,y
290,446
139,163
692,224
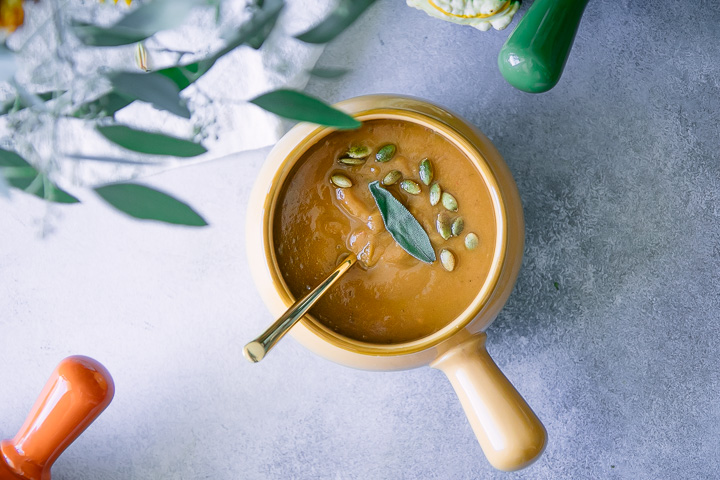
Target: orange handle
x,y
77,392
509,432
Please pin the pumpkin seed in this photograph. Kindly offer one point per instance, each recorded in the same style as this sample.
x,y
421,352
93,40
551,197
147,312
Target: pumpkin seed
x,y
352,161
392,177
443,225
457,226
435,193
447,260
410,187
386,153
426,171
341,181
449,202
471,241
359,151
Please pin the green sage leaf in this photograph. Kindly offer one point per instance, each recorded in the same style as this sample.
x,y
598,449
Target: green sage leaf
x,y
401,224
148,142
298,106
345,13
321,72
18,173
147,203
156,89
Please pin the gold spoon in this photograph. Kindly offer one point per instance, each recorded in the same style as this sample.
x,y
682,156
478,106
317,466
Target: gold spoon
x,y
258,348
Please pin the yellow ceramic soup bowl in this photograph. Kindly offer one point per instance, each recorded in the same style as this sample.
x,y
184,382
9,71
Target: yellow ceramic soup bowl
x,y
509,432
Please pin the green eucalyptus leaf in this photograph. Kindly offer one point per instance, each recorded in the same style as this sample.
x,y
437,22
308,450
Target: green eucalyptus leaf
x,y
8,65
253,32
252,29
151,143
9,105
147,203
22,178
21,175
19,102
41,186
46,96
158,15
273,7
53,193
4,188
181,76
257,41
322,72
12,159
137,25
403,227
28,98
156,89
103,159
107,37
345,13
298,106
11,173
104,106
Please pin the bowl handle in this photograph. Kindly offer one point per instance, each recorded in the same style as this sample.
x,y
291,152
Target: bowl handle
x,y
509,432
77,392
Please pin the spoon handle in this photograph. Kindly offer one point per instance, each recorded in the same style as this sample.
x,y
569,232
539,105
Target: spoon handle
x,y
258,348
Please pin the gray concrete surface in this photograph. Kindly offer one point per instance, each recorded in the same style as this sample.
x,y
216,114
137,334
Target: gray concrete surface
x,y
619,172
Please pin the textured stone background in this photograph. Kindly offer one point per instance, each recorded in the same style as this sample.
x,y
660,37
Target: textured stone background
x,y
619,172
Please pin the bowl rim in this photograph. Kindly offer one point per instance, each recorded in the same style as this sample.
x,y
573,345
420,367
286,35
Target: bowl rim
x,y
287,161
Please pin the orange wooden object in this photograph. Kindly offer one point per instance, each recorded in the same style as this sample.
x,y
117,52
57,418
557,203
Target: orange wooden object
x,y
77,392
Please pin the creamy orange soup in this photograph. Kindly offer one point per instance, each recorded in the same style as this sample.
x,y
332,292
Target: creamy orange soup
x,y
389,296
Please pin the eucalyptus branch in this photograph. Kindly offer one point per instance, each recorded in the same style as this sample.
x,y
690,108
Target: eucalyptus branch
x,y
29,115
